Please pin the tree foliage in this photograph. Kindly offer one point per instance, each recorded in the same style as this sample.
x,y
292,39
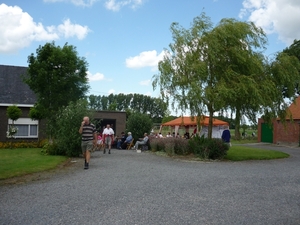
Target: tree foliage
x,y
210,69
293,53
67,140
138,124
13,112
131,103
57,75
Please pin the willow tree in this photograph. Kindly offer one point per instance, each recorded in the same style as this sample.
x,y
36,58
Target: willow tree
x,y
212,68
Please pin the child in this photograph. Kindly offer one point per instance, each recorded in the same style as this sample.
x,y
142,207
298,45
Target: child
x,y
99,141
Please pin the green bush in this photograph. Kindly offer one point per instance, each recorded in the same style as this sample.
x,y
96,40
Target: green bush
x,y
67,140
157,144
138,124
181,146
172,146
208,148
13,112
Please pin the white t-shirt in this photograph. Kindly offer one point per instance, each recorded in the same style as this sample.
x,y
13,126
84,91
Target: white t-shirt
x,y
109,131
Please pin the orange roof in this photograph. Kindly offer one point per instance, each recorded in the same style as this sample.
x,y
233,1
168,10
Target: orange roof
x,y
294,109
187,121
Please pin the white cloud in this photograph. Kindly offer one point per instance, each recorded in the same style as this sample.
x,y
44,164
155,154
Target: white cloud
x,y
95,77
18,30
70,30
145,82
275,16
145,59
115,5
111,91
149,93
75,2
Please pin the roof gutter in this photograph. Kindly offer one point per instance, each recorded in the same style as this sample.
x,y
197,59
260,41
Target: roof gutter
x,y
19,105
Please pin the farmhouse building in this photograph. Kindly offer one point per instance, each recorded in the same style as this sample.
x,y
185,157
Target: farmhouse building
x,y
282,133
13,91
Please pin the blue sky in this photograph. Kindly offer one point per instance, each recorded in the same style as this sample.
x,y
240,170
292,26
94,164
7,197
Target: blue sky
x,y
123,40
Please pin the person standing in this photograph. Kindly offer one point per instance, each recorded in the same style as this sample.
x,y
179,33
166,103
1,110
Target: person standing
x,y
88,139
108,137
226,136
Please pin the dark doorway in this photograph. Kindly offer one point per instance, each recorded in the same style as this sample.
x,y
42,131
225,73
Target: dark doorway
x,y
101,124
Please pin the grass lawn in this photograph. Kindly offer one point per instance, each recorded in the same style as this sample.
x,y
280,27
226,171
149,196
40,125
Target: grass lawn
x,y
21,161
240,153
243,141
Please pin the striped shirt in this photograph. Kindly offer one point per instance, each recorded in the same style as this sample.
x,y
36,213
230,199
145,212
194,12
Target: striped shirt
x,y
88,132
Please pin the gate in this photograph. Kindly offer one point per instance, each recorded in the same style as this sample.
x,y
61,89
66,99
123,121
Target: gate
x,y
266,133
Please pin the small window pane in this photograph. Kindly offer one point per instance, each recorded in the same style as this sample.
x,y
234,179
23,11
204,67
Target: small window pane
x,y
22,130
33,130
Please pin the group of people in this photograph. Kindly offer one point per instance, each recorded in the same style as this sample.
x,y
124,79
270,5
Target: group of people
x,y
90,139
124,140
168,135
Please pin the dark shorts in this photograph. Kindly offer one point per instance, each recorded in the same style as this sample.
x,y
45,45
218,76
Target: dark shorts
x,y
87,146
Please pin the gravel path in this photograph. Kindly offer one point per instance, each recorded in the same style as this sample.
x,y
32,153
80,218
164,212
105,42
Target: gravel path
x,y
141,188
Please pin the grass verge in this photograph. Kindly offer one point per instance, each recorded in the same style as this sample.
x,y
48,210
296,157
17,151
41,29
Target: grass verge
x,y
22,161
241,153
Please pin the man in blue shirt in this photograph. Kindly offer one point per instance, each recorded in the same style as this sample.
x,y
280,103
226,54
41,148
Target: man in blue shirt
x,y
226,136
127,141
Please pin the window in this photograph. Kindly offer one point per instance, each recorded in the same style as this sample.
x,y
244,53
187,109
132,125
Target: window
x,y
27,128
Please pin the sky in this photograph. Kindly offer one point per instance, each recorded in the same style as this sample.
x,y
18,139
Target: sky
x,y
123,40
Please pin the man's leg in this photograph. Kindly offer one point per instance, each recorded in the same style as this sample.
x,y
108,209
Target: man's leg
x,y
136,145
83,148
88,153
109,144
105,143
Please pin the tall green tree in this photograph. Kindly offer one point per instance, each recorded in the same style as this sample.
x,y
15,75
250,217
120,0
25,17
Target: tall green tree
x,y
284,73
155,108
57,75
211,68
294,51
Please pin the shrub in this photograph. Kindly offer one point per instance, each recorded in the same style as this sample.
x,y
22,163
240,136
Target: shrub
x,y
23,144
13,112
138,124
181,146
67,140
172,146
208,148
157,144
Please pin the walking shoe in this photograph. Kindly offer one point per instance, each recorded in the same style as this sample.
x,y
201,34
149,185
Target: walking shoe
x,y
86,166
109,151
104,151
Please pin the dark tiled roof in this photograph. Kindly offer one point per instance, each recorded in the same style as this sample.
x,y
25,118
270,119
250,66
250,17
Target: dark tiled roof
x,y
12,88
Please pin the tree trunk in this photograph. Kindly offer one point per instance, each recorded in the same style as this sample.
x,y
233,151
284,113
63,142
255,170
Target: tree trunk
x,y
237,124
210,123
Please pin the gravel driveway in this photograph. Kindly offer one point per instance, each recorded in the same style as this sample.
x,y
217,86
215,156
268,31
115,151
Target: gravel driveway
x,y
142,188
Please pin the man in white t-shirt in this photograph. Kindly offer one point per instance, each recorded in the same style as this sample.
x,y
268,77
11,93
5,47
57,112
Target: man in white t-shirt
x,y
108,137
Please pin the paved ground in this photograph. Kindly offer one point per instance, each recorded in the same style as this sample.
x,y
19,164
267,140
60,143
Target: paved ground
x,y
141,188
